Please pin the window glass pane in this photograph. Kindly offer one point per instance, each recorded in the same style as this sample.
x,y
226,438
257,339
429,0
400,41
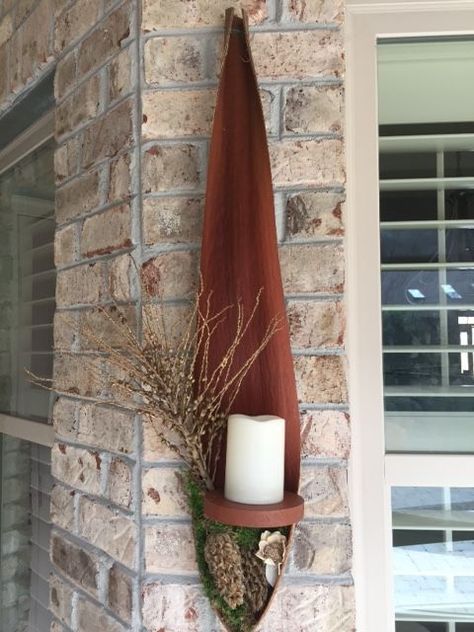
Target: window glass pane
x,y
410,287
433,557
407,165
410,206
408,246
411,328
426,170
421,626
24,535
459,204
27,282
459,163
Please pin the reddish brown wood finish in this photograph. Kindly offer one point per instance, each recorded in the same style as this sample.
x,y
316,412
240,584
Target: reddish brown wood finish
x,y
239,248
288,512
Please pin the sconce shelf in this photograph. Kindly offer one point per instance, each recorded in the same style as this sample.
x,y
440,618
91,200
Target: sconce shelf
x,y
288,512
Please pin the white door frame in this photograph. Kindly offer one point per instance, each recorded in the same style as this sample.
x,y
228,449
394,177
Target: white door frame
x,y
371,472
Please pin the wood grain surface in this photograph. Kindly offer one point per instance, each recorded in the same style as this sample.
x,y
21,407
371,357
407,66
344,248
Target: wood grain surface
x,y
239,254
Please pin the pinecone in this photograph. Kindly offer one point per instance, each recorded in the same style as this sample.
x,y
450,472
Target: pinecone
x,y
256,585
223,558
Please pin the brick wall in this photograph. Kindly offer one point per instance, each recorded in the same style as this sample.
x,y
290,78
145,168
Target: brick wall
x,y
298,54
26,44
135,88
96,545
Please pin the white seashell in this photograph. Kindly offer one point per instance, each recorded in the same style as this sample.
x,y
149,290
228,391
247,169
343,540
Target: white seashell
x,y
271,573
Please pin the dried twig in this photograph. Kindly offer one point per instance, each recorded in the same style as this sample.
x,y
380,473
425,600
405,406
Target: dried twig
x,y
159,382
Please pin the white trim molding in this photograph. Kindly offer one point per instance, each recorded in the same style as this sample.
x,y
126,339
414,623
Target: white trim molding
x,y
407,6
40,433
367,22
437,470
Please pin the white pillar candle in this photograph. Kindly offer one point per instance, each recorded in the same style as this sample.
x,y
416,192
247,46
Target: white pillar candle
x,y
255,460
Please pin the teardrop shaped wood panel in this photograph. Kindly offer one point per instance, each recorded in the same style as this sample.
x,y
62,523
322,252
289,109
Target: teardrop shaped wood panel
x,y
239,254
239,258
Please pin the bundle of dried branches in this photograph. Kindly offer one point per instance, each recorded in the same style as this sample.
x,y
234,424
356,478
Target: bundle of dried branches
x,y
171,383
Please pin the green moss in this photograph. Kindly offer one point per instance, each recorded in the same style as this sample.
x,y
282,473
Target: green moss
x,y
238,619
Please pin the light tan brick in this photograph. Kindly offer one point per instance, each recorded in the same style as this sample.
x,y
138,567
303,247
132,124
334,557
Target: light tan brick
x,y
172,220
108,231
120,593
32,44
66,160
316,324
80,285
171,274
79,566
74,22
82,106
93,619
58,6
323,608
165,14
153,448
5,75
297,54
107,428
317,11
120,75
108,530
169,548
65,75
105,324
7,5
177,607
325,491
172,321
65,242
108,135
325,434
267,98
176,60
322,549
307,162
120,278
168,167
119,484
120,186
78,197
64,417
314,214
164,493
76,467
66,325
167,114
15,61
60,599
23,9
62,507
308,268
314,109
79,375
6,28
321,379
105,40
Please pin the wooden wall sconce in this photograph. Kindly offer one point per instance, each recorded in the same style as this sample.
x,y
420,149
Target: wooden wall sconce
x,y
239,258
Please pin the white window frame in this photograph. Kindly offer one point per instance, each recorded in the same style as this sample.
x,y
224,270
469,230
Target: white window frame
x,y
25,143
372,473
